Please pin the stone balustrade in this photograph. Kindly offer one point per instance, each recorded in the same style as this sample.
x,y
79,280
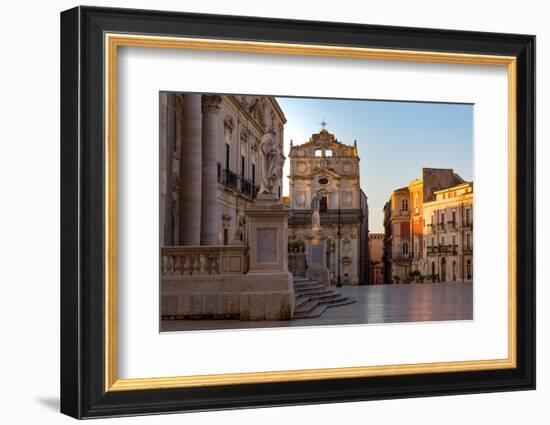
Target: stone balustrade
x,y
203,260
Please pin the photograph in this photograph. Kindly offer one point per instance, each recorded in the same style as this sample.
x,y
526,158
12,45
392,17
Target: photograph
x,y
279,210
282,211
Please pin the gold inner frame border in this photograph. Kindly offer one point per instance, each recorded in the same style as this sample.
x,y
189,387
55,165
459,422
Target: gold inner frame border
x,y
113,40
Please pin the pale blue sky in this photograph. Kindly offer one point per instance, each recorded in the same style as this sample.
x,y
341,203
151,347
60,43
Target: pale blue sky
x,y
394,139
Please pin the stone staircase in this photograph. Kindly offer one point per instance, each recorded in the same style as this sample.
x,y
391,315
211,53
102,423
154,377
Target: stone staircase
x,y
313,298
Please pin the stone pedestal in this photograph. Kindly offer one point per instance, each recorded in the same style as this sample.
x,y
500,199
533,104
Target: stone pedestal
x,y
268,292
317,267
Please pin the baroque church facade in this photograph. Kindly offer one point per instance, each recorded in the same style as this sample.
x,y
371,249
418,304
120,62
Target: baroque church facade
x,y
325,168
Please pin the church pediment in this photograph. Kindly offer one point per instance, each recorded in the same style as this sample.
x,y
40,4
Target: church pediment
x,y
323,144
325,172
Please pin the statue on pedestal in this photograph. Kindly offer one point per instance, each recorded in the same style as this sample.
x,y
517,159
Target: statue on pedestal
x,y
272,163
315,207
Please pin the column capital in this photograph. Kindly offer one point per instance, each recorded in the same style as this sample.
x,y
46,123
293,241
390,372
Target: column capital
x,y
211,104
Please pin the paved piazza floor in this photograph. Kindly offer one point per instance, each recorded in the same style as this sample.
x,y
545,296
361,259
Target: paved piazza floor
x,y
374,304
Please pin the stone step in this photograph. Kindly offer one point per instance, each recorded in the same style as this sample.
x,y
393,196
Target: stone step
x,y
301,279
317,311
314,298
308,286
306,307
312,291
318,295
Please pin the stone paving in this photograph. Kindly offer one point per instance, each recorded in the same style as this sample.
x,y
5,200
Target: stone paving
x,y
374,304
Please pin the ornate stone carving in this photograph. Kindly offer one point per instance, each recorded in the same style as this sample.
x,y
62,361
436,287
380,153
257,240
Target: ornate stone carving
x,y
229,124
211,104
301,199
346,199
272,161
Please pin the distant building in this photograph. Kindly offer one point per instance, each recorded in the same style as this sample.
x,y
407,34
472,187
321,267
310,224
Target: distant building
x,y
449,234
407,226
376,252
325,165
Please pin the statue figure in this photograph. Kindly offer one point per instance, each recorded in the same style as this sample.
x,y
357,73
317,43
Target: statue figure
x,y
315,207
273,161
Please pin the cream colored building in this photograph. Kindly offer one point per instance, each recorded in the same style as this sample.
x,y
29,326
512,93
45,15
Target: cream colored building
x,y
448,230
325,165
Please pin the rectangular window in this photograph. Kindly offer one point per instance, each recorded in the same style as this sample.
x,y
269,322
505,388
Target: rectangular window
x,y
323,206
226,165
254,175
242,167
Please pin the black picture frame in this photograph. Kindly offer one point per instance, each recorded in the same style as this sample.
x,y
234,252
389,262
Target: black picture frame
x,y
83,392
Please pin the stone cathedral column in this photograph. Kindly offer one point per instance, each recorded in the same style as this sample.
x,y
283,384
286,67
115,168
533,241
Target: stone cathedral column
x,y
210,222
169,134
190,172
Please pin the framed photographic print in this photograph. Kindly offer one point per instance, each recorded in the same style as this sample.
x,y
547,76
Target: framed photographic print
x,y
261,212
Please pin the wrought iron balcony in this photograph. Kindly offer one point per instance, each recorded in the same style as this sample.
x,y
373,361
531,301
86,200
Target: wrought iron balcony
x,y
248,188
236,182
229,178
433,249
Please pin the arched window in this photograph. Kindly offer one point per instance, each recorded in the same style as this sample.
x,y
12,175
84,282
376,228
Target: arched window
x,y
433,267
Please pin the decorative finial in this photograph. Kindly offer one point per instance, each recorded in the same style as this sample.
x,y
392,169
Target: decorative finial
x,y
323,123
291,142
